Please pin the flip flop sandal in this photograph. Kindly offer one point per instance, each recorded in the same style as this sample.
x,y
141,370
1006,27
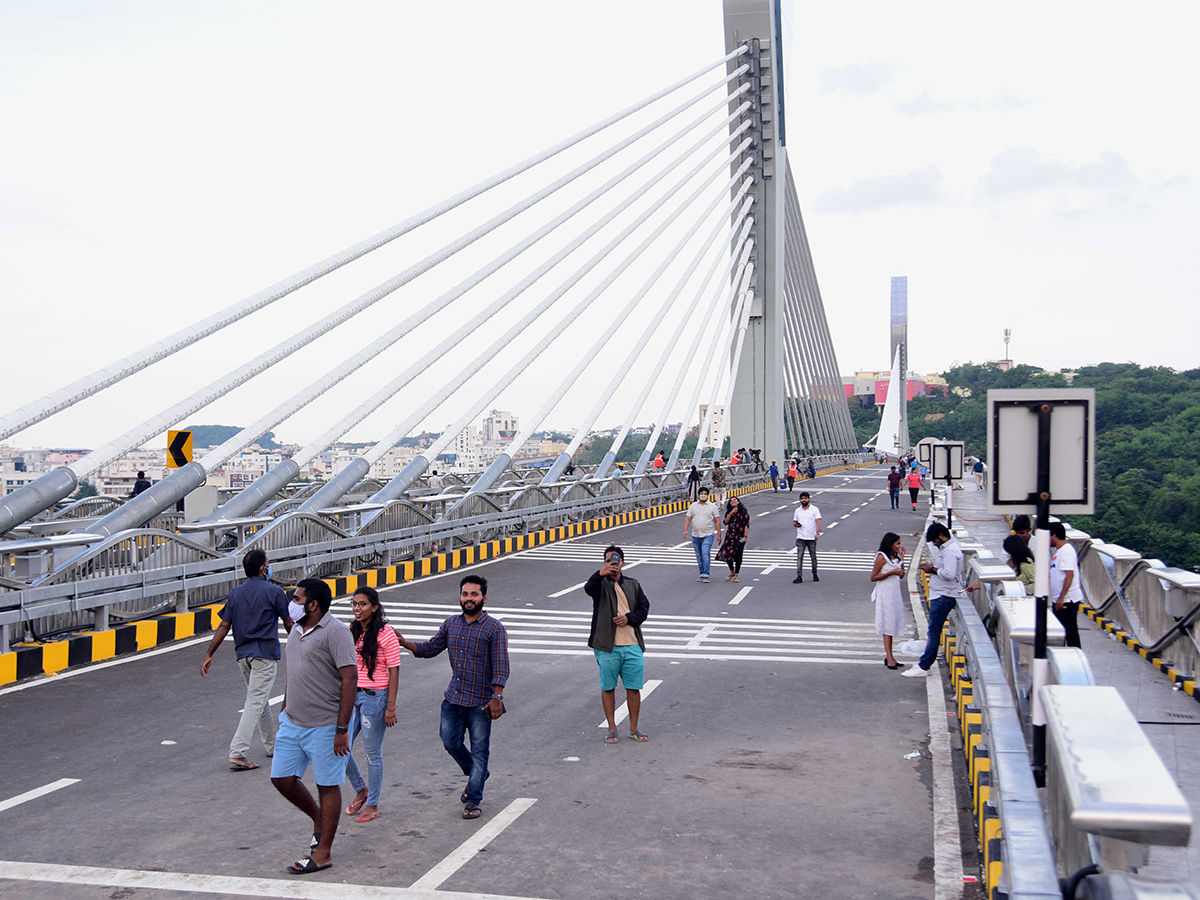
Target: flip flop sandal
x,y
355,806
462,797
306,866
639,736
367,817
612,738
472,811
241,764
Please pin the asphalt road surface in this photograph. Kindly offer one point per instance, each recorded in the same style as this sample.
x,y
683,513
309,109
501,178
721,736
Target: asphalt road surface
x,y
776,766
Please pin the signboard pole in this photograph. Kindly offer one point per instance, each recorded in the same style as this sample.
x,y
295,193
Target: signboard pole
x,y
949,501
1041,564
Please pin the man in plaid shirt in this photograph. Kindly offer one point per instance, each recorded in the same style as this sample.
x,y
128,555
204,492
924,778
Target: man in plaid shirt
x,y
478,646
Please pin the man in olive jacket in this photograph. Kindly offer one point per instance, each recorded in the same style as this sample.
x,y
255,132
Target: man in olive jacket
x,y
619,607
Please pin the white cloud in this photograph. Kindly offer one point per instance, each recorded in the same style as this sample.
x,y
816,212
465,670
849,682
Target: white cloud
x,y
858,79
924,105
918,187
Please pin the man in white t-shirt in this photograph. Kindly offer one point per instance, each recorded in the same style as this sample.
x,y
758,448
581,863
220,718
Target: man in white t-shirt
x,y
703,524
807,519
1065,589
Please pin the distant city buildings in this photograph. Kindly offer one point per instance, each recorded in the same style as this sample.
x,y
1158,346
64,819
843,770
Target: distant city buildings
x,y
873,387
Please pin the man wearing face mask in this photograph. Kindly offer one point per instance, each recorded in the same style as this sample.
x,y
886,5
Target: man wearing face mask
x,y
478,650
254,609
619,607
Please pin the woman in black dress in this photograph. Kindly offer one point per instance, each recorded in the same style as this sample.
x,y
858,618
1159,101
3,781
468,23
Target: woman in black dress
x,y
693,483
737,527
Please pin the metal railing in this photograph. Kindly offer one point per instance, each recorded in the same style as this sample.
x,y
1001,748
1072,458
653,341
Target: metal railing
x,y
144,572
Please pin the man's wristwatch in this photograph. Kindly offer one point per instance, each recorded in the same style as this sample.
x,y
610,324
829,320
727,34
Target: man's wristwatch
x,y
342,729
497,697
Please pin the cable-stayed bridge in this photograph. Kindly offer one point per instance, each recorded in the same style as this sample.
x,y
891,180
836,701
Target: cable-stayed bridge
x,y
690,188
672,230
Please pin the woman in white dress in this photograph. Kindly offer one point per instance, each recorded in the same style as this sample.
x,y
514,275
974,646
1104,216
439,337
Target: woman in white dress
x,y
888,594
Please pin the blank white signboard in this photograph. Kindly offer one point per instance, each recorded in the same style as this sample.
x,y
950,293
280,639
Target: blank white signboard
x,y
1013,450
947,461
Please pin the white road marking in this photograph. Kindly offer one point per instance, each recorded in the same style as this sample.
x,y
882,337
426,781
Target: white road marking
x,y
686,543
224,885
480,839
767,513
37,792
740,595
846,516
71,673
833,524
694,643
623,709
778,508
771,568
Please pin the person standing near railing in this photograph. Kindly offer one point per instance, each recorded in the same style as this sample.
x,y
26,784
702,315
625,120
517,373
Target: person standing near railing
x,y
945,587
718,480
1064,583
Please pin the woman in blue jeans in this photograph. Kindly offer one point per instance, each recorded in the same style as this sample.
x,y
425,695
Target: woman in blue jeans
x,y
378,652
703,524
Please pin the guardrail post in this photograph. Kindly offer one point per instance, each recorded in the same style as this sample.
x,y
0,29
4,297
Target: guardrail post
x,y
4,642
100,618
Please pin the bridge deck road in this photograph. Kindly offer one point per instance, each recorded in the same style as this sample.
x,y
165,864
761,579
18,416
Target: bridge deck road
x,y
776,766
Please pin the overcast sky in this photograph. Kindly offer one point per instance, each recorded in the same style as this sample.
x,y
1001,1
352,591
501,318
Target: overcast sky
x,y
1032,168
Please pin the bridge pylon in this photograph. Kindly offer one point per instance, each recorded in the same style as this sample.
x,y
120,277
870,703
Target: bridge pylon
x,y
787,395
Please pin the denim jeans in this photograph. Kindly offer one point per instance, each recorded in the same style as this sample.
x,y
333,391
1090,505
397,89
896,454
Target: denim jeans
x,y
259,675
368,718
939,611
703,548
801,546
894,493
456,721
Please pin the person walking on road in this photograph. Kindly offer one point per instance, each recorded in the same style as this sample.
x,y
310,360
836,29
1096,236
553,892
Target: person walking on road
x,y
914,486
254,609
378,653
893,481
314,723
478,651
945,587
702,523
693,481
978,469
737,528
807,519
718,480
793,472
774,470
619,607
1065,589
888,594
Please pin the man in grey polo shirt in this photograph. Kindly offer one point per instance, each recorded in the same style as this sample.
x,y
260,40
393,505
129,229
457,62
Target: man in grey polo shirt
x,y
322,676
253,611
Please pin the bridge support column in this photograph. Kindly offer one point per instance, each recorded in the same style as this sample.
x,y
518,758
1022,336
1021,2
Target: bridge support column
x,y
756,417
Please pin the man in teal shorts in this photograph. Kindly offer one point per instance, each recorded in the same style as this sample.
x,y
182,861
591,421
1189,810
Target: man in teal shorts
x,y
619,607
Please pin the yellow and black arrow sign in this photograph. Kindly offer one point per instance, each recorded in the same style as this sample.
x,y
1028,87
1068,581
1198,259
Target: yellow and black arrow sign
x,y
179,449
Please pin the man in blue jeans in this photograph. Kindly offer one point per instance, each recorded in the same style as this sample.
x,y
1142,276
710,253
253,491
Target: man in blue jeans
x,y
945,586
703,523
478,646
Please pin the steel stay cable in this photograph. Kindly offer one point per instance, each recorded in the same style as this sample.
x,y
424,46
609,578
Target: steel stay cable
x,y
400,483
623,371
54,486
330,492
82,388
740,254
335,488
497,467
648,330
717,340
728,374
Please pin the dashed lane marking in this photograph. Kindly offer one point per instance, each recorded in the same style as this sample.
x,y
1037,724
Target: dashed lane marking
x,y
623,709
740,595
37,792
480,839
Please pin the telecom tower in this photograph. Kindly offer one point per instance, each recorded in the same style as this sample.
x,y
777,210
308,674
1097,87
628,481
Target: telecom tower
x,y
900,341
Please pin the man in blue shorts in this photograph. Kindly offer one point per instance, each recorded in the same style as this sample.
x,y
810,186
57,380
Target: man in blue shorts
x,y
619,607
322,678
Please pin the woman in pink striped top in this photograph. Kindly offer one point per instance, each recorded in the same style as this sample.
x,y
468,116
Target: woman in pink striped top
x,y
378,653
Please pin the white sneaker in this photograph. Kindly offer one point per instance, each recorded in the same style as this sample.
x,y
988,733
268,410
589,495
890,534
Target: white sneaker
x,y
916,672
